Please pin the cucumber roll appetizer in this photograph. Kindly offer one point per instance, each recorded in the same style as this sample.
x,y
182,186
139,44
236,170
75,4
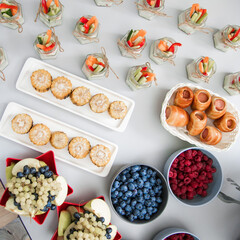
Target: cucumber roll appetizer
x,y
51,12
86,29
201,69
133,43
140,77
46,45
227,38
232,83
163,50
95,67
11,14
192,19
3,59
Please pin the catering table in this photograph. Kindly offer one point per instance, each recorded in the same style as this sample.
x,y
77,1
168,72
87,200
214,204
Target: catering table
x,y
144,140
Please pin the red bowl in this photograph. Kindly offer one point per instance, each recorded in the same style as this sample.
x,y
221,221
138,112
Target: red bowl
x,y
66,204
49,159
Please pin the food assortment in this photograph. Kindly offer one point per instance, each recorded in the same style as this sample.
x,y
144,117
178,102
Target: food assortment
x,y
139,192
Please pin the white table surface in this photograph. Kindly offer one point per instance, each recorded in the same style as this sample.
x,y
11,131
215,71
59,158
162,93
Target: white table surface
x,y
144,140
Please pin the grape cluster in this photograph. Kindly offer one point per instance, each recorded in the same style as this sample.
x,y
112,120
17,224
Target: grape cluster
x,y
89,227
33,190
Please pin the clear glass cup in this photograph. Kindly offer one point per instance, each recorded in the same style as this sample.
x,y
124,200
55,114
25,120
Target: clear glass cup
x,y
160,57
95,75
52,54
186,24
194,73
231,83
3,59
85,38
51,21
149,14
131,81
17,17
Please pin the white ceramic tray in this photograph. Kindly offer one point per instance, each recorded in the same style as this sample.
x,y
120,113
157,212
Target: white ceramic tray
x,y
61,154
24,84
228,139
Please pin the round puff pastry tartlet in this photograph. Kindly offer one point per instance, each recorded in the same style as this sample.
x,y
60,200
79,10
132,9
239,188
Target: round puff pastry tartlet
x,y
80,96
99,103
61,87
79,147
59,140
22,123
201,100
226,123
117,110
210,135
40,134
176,116
41,80
184,97
217,108
100,155
197,122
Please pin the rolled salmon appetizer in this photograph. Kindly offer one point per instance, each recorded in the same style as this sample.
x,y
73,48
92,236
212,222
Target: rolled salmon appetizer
x,y
176,116
202,100
226,123
217,108
210,135
184,97
197,122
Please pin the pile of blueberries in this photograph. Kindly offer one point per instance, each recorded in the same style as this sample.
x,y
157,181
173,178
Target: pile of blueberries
x,y
136,193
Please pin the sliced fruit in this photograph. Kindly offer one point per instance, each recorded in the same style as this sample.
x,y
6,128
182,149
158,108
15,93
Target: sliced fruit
x,y
113,230
60,198
42,164
9,171
67,231
100,209
12,208
73,209
63,222
30,162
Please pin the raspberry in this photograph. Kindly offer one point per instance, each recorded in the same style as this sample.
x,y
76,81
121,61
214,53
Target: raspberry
x,y
193,167
205,186
214,170
180,184
210,180
197,158
199,153
195,174
181,168
200,184
209,174
187,180
208,168
187,169
187,163
170,174
199,165
204,193
188,154
174,187
173,180
180,176
194,184
199,191
181,155
190,189
174,165
190,195
210,161
175,160
180,158
183,189
183,196
194,153
205,157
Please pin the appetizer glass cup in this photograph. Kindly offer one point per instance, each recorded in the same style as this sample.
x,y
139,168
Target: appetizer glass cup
x,y
17,17
52,54
3,59
148,12
222,42
128,51
85,38
94,75
160,57
194,73
231,83
187,25
132,83
51,21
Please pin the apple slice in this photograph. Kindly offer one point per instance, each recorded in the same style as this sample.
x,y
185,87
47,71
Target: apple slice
x,y
113,232
30,162
67,231
73,209
60,198
12,208
63,222
9,171
100,208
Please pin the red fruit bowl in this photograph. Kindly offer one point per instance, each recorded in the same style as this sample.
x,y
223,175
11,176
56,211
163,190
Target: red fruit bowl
x,y
49,159
66,204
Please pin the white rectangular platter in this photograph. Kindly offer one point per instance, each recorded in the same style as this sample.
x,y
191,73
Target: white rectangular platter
x,y
61,154
24,84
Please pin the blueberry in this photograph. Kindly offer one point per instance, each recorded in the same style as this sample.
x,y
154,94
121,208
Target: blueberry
x,y
147,216
130,180
124,197
109,230
158,200
42,170
159,193
128,175
135,175
115,201
131,186
53,207
113,196
133,203
101,219
76,222
123,204
152,180
135,168
140,183
52,198
44,209
113,189
120,194
46,168
49,204
128,194
15,203
145,168
118,178
139,193
154,174
147,185
123,178
50,173
128,208
72,230
131,218
20,175
108,236
47,175
124,172
119,209
33,170
154,204
127,213
136,212
152,193
144,178
37,175
148,203
145,190
124,188
68,236
36,196
158,181
147,196
156,189
141,217
144,211
139,206
88,212
116,184
149,210
143,172
26,170
134,192
77,215
154,210
149,171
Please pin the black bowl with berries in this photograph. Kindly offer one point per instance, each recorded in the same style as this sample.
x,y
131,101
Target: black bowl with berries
x,y
194,176
139,193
